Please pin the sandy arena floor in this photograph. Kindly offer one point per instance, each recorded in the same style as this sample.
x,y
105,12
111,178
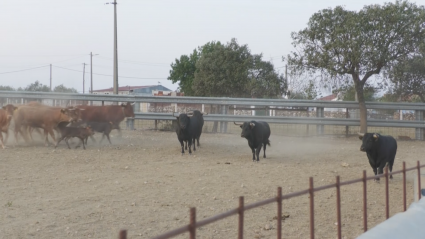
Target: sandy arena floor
x,y
141,183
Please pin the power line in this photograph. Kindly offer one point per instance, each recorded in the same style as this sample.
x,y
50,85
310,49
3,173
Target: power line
x,y
24,69
49,62
39,55
136,62
130,77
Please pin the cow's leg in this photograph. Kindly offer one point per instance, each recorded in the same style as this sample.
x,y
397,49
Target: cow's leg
x,y
59,140
257,152
189,142
390,167
264,156
1,140
253,154
197,139
81,140
7,136
107,136
46,141
185,142
103,136
66,141
194,144
182,145
52,135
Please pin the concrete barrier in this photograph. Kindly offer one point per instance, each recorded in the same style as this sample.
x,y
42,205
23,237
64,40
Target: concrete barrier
x,y
408,224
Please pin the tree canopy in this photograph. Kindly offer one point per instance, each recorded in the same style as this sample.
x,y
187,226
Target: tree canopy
x,y
64,89
360,44
36,86
226,70
408,76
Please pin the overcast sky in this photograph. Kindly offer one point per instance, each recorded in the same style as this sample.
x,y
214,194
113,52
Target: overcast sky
x,y
151,35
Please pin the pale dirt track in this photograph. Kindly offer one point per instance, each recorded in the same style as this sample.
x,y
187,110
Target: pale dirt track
x,y
141,183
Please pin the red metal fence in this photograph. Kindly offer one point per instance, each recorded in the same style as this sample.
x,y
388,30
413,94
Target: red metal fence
x,y
193,224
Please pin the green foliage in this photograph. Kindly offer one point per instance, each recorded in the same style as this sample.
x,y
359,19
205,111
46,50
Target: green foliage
x,y
7,88
349,92
360,44
228,71
232,71
183,72
62,88
408,76
36,86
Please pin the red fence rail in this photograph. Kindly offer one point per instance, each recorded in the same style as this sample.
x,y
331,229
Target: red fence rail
x,y
193,224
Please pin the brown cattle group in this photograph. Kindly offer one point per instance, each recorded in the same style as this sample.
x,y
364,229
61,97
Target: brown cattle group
x,y
36,116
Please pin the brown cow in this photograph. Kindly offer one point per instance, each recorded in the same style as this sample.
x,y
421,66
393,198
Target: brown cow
x,y
46,118
38,104
6,113
107,113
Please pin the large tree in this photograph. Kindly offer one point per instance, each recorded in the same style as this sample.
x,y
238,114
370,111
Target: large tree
x,y
360,44
232,71
183,69
408,77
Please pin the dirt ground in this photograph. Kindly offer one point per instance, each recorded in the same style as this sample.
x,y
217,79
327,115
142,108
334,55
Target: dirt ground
x,y
142,183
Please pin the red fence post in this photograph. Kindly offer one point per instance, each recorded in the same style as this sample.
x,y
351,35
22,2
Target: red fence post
x,y
338,206
311,208
279,212
241,212
192,225
419,181
387,196
364,202
123,234
404,186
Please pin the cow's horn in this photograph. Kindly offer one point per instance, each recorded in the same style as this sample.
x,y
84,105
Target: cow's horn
x,y
204,113
252,124
375,136
237,124
360,134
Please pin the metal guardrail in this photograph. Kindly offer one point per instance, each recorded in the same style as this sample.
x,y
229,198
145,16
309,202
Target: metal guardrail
x,y
211,100
290,120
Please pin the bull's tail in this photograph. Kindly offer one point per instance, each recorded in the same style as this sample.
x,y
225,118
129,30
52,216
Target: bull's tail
x,y
268,142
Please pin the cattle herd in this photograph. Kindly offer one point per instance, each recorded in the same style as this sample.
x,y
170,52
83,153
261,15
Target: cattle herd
x,y
82,121
79,121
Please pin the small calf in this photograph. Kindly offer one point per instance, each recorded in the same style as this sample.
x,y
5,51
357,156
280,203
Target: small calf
x,y
70,132
101,127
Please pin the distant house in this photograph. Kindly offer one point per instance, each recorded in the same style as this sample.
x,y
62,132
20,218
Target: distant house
x,y
329,97
134,90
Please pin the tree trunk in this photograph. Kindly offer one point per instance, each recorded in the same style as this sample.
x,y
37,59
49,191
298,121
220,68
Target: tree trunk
x,y
362,105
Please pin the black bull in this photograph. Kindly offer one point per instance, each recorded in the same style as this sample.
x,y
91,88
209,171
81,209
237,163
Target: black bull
x,y
188,129
257,133
380,151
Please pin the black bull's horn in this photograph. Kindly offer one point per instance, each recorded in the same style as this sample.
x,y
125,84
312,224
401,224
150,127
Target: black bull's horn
x,y
237,123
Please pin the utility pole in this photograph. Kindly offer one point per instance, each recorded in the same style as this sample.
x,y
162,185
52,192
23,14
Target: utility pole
x,y
50,77
84,72
91,73
115,48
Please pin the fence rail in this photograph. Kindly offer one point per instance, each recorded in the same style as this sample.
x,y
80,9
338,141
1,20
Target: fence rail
x,y
211,100
193,224
291,120
280,104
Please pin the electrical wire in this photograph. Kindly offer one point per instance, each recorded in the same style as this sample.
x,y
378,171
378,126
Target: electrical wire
x,y
129,77
23,70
